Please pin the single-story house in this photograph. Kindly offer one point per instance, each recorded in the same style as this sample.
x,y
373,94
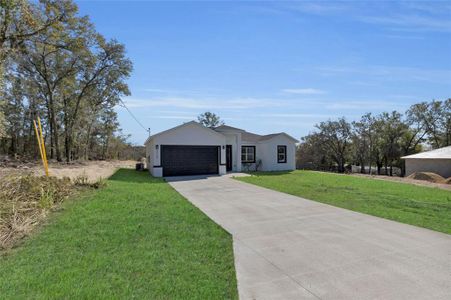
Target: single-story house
x,y
193,149
437,161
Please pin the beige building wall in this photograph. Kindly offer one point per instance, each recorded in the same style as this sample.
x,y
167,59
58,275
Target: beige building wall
x,y
438,166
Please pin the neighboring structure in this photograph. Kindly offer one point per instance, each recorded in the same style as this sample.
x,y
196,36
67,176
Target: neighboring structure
x,y
437,161
193,149
358,169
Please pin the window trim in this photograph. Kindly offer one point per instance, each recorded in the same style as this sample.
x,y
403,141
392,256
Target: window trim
x,y
247,161
284,161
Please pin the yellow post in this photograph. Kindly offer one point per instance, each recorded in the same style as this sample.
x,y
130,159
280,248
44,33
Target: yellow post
x,y
41,146
39,142
46,166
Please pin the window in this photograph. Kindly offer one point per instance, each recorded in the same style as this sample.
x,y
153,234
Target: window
x,y
248,154
281,154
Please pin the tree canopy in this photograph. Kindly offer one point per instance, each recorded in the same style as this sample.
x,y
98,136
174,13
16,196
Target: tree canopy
x,y
210,119
379,140
57,67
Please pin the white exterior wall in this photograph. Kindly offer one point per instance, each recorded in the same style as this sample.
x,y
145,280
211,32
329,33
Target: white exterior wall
x,y
193,134
438,166
189,135
151,158
250,166
267,152
234,139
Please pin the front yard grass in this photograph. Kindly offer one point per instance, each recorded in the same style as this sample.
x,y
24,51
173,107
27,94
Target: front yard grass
x,y
136,238
421,206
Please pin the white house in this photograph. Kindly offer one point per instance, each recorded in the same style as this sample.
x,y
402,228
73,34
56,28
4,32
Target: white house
x,y
193,149
437,161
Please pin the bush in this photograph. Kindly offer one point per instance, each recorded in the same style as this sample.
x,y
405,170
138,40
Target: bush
x,y
81,180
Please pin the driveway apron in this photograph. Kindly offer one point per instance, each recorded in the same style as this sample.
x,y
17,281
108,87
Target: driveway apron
x,y
287,247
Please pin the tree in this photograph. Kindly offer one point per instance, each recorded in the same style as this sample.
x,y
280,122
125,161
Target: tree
x,y
393,129
103,84
335,139
308,156
70,77
435,119
209,119
21,21
363,141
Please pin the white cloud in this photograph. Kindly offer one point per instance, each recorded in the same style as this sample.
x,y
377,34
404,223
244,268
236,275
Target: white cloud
x,y
304,91
202,103
319,8
297,115
391,73
365,105
406,16
176,117
410,22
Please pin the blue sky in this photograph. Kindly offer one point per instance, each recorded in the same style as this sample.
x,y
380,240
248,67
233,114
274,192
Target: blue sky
x,y
276,66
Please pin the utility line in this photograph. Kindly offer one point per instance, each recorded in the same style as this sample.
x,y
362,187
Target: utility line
x,y
133,116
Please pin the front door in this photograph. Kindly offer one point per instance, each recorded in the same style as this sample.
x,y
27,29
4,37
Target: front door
x,y
229,158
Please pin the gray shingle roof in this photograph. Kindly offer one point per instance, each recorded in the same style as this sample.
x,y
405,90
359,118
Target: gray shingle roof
x,y
251,137
226,127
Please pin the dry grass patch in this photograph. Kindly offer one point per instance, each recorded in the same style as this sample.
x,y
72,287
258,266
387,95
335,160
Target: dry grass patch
x,y
26,200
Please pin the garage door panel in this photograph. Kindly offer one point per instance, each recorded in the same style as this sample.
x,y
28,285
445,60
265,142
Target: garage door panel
x,y
189,160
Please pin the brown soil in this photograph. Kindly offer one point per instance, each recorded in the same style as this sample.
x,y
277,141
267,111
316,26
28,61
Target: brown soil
x,y
427,176
407,180
93,170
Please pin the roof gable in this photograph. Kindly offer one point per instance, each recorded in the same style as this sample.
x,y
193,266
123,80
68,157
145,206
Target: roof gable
x,y
256,138
190,123
271,136
245,136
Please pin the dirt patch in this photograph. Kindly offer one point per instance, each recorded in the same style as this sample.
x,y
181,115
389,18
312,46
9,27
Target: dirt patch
x,y
93,170
407,180
427,176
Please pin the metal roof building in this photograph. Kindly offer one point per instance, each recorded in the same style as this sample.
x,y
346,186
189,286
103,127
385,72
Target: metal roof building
x,y
437,161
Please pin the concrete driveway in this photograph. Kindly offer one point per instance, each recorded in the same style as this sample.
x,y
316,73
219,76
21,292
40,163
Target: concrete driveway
x,y
288,247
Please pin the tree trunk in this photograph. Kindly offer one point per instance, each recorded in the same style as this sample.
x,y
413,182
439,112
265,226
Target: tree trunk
x,y
54,128
88,141
386,166
67,147
52,144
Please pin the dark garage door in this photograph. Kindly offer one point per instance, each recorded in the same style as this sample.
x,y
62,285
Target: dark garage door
x,y
189,160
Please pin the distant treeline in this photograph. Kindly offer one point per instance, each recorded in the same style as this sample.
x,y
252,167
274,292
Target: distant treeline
x,y
55,66
376,140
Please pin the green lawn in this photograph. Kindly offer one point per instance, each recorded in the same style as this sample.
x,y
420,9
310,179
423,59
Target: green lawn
x,y
136,238
416,205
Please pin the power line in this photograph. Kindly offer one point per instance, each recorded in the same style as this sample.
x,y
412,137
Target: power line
x,y
133,116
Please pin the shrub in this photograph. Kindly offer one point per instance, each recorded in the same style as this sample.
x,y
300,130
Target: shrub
x,y
81,180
